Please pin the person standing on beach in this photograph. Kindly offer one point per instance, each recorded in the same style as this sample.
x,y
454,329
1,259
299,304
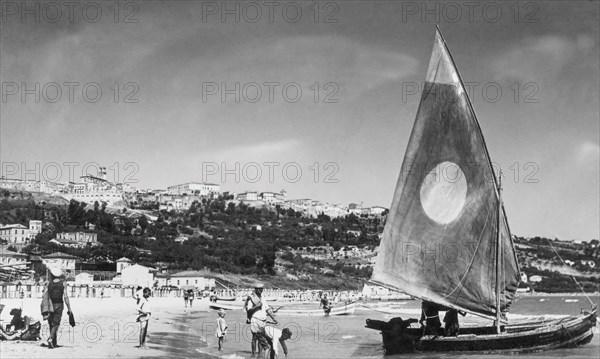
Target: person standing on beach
x,y
144,312
257,310
185,297
191,296
221,328
326,305
58,297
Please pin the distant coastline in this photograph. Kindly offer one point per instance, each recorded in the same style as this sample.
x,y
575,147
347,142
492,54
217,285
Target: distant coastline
x,y
541,294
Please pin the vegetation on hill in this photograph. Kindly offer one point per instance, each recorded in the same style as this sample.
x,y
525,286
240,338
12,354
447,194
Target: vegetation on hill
x,y
230,237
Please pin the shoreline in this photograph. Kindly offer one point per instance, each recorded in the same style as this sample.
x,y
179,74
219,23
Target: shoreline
x,y
106,328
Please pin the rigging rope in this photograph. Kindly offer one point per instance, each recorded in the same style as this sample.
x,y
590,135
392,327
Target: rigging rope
x,y
584,293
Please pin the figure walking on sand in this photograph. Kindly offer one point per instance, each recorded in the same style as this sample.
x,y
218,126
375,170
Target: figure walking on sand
x,y
221,328
257,310
58,297
326,305
191,296
144,312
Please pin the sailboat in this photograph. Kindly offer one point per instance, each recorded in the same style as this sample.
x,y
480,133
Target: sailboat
x,y
447,239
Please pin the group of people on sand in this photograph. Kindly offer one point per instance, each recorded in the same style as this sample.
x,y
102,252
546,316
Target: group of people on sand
x,y
20,327
188,297
54,299
266,339
430,319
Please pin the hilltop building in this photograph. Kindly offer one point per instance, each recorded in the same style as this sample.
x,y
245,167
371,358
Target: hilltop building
x,y
76,239
95,189
195,188
247,196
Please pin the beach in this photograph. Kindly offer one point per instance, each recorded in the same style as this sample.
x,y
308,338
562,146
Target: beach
x,y
106,328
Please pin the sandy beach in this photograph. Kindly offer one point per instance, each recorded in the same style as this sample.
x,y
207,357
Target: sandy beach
x,y
105,328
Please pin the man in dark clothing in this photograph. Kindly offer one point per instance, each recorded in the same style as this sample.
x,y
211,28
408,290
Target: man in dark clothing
x,y
430,318
326,305
451,319
58,296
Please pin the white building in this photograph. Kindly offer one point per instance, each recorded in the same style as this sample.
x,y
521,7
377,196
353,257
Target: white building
x,y
15,233
355,209
247,196
64,261
123,263
137,274
377,210
95,189
84,278
161,279
76,239
273,197
197,188
10,257
192,278
35,228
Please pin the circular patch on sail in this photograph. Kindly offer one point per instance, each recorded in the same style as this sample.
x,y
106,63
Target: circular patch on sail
x,y
443,192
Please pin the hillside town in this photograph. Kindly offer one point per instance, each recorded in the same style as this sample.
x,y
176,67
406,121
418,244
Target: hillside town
x,y
97,188
113,236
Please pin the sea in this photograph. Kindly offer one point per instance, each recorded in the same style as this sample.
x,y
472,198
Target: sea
x,y
347,337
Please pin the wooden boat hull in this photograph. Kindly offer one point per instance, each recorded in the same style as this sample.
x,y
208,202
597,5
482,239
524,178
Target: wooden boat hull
x,y
337,310
225,306
517,338
227,299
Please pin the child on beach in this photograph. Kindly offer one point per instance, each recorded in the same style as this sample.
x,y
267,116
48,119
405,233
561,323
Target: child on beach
x,y
144,317
221,328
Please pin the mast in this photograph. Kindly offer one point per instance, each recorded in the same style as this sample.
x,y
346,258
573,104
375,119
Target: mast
x,y
498,185
498,252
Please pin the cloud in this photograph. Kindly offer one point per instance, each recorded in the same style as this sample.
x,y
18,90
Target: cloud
x,y
543,57
354,66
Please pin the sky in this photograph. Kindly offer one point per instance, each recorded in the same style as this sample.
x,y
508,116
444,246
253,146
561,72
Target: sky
x,y
315,98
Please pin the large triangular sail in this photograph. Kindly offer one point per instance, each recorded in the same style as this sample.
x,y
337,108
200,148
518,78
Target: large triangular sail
x,y
439,242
